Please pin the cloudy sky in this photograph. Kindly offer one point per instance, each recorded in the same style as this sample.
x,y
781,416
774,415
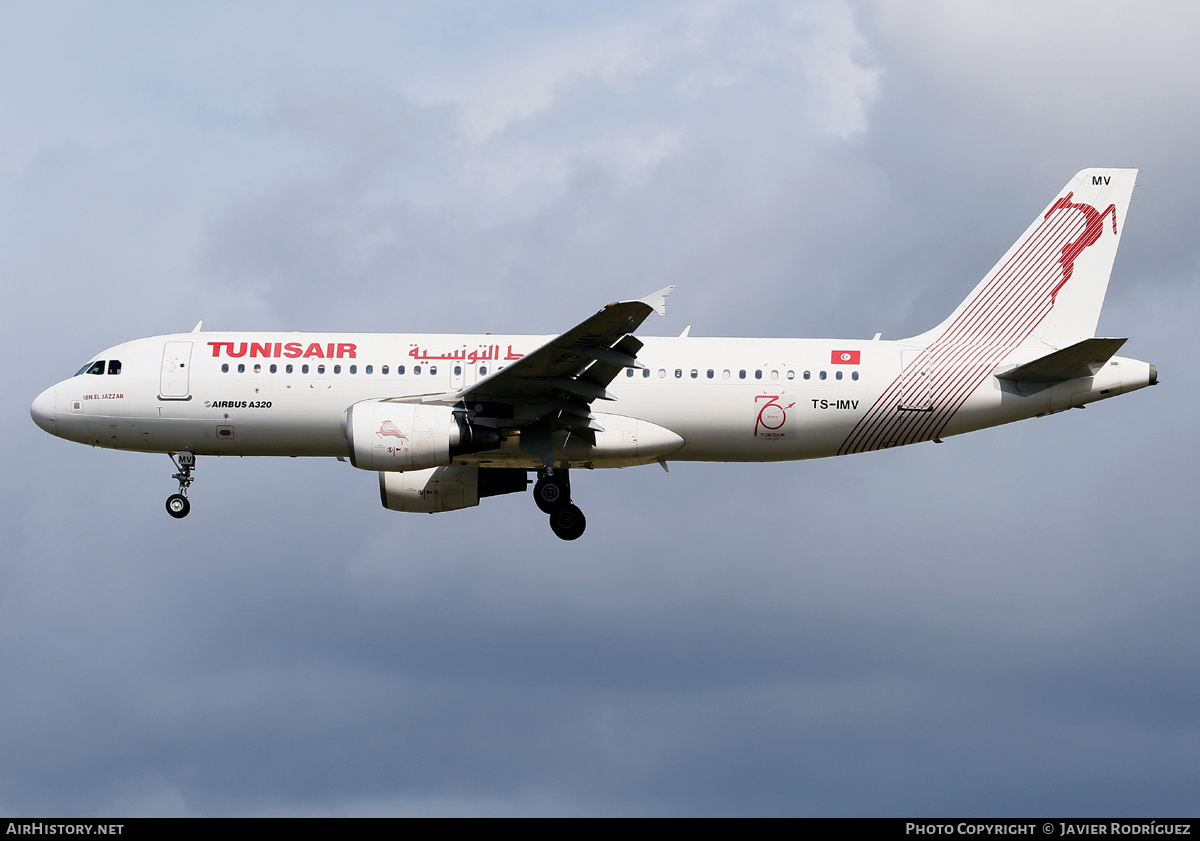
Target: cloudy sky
x,y
1002,625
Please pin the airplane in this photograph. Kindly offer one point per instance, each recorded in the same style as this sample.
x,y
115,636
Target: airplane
x,y
448,420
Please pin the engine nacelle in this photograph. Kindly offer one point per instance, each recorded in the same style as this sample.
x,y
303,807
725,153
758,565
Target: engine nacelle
x,y
411,436
430,491
446,488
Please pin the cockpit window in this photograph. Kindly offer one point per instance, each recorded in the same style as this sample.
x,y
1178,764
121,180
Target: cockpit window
x,y
96,367
114,366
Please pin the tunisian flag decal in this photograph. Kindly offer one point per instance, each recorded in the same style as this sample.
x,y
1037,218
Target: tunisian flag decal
x,y
844,357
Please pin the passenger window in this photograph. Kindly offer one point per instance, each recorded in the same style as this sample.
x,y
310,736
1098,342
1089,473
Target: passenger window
x,y
257,368
241,368
320,369
303,369
678,373
432,370
370,369
225,368
353,369
742,374
114,366
710,373
838,375
725,374
854,375
791,375
662,372
289,368
758,374
382,370
822,375
645,373
458,370
808,375
400,370
274,368
629,372
695,373
337,369
416,369
774,375
483,370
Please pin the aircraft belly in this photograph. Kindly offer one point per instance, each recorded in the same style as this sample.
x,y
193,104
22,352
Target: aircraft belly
x,y
623,442
112,431
254,428
280,434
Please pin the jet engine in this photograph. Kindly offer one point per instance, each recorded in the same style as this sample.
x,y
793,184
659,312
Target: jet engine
x,y
447,488
411,436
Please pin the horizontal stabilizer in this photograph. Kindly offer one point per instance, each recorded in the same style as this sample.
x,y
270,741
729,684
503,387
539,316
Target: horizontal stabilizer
x,y
1082,359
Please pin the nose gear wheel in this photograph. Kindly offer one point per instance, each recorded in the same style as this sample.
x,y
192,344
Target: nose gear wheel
x,y
178,505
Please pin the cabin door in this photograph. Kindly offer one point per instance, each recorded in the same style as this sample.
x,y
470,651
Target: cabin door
x,y
173,383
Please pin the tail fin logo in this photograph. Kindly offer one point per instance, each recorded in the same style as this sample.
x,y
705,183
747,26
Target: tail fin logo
x,y
1091,233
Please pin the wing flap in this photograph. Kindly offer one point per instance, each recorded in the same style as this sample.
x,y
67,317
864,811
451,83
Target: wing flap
x,y
576,366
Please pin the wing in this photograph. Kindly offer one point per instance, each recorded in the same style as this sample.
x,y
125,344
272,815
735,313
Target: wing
x,y
558,382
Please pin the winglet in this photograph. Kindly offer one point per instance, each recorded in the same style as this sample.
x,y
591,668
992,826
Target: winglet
x,y
657,301
199,324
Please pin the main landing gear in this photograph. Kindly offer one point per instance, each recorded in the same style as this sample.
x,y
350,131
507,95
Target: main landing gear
x,y
177,503
552,494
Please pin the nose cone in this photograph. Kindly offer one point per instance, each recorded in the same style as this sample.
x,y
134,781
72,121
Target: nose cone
x,y
43,408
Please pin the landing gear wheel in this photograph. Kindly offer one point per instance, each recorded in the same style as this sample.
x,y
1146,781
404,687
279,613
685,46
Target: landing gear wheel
x,y
568,522
551,494
178,506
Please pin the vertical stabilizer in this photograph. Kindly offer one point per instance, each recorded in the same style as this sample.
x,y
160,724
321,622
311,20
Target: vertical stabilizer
x,y
1049,287
1044,294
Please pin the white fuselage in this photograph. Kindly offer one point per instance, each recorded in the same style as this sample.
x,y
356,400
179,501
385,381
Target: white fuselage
x,y
728,399
446,420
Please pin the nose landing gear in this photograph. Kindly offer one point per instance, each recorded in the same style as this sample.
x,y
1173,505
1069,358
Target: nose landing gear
x,y
177,503
552,494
